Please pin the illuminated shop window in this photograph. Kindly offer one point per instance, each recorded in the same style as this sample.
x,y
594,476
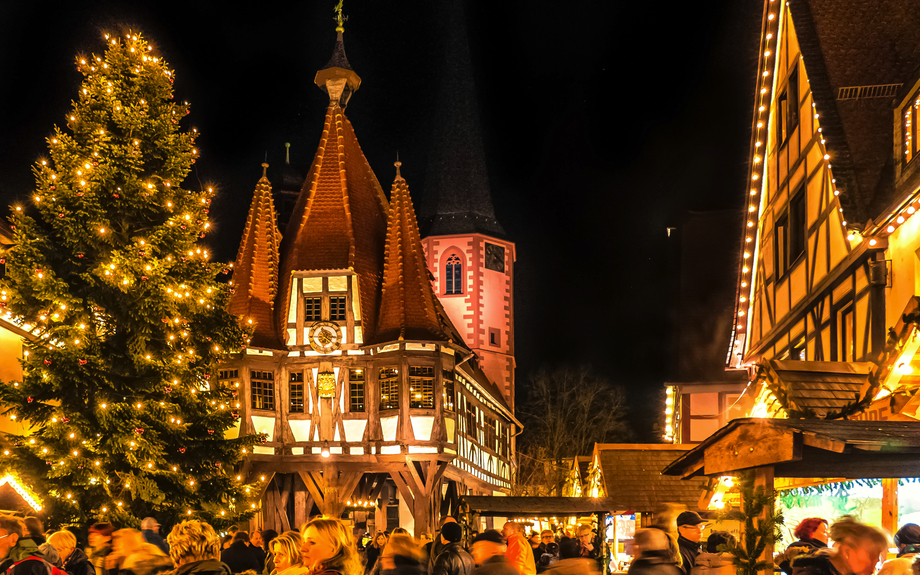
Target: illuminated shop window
x,y
421,387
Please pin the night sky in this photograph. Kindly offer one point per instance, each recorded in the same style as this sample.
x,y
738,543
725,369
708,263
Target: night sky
x,y
603,123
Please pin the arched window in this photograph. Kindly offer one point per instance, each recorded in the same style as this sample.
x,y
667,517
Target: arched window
x,y
453,273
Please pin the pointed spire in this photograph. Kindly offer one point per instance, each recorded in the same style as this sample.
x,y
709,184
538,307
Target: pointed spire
x,y
457,198
337,78
397,163
287,153
339,221
255,271
408,307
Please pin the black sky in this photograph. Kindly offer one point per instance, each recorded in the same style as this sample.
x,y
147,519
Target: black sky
x,y
604,121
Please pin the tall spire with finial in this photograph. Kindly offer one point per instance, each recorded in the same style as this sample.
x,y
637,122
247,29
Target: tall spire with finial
x,y
337,78
408,307
255,271
457,199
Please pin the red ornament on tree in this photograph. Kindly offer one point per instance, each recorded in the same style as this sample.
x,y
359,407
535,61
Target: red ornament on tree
x,y
139,430
82,361
47,362
181,450
29,399
65,419
210,432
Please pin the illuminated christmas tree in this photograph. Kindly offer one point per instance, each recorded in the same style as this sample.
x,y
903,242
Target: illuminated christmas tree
x,y
124,412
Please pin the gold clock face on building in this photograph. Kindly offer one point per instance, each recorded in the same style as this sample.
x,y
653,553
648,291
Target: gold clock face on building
x,y
325,337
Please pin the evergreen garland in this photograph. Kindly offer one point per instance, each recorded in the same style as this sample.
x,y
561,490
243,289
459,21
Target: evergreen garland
x,y
757,532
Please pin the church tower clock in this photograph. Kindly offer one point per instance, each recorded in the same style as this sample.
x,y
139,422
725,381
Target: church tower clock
x,y
467,249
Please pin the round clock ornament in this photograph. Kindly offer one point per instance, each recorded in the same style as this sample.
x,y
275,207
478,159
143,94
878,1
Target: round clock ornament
x,y
325,337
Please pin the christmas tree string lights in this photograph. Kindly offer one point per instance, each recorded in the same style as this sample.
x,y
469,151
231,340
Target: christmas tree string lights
x,y
123,412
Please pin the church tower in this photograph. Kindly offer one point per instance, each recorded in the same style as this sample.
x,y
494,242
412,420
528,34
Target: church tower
x,y
467,249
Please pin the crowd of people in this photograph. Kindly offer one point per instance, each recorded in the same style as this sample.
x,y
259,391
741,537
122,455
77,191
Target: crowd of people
x,y
845,547
324,546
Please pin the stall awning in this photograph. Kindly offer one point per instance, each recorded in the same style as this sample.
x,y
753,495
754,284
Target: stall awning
x,y
489,506
632,473
807,448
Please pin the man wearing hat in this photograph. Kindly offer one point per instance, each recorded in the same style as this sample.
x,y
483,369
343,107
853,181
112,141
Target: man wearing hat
x,y
690,529
907,540
453,559
489,554
150,529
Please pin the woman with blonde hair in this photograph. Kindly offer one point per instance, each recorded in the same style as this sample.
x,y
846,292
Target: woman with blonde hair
x,y
401,556
328,548
286,552
73,559
135,555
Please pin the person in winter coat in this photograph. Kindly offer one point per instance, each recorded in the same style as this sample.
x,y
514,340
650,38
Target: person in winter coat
x,y
857,549
811,534
454,559
268,535
100,545
488,551
35,529
19,554
328,548
690,530
135,556
572,561
433,549
286,551
373,551
907,540
50,554
519,554
194,548
150,528
239,556
713,562
653,554
73,560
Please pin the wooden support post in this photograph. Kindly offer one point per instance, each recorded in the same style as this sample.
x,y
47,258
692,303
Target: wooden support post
x,y
890,505
763,476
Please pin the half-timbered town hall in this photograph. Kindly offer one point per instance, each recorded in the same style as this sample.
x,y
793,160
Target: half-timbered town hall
x,y
380,370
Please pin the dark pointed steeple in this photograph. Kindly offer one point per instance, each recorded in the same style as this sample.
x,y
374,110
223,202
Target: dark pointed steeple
x,y
457,197
337,78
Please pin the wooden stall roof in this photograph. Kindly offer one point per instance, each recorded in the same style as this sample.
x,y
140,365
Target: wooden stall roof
x,y
490,506
807,448
817,387
632,473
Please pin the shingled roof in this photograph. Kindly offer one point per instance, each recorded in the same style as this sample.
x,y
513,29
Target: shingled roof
x,y
850,44
408,306
255,271
632,475
339,221
457,199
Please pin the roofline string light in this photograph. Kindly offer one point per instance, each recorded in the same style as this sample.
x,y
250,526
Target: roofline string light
x,y
760,136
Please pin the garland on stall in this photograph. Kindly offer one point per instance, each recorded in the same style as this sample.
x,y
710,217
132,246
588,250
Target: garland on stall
x,y
760,522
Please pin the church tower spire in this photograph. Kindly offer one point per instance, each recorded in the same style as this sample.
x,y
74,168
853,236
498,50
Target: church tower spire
x,y
467,250
337,78
457,197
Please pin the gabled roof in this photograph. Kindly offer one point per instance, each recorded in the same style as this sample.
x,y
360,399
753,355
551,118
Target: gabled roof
x,y
846,44
255,271
339,221
457,199
632,474
408,306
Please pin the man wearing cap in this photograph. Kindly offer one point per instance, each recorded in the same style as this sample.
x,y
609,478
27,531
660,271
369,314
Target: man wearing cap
x,y
489,554
907,540
690,528
453,559
150,529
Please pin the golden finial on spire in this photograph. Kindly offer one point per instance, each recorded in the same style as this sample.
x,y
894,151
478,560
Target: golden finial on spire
x,y
339,19
397,163
265,170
